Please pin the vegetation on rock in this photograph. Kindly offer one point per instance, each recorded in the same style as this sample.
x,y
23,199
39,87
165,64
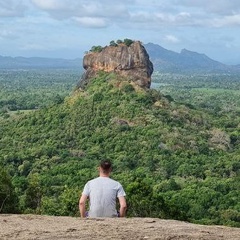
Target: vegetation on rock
x,y
112,43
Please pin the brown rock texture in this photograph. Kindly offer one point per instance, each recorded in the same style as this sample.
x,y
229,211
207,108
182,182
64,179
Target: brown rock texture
x,y
131,62
33,227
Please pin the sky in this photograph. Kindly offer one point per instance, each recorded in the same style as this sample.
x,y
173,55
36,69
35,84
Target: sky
x,y
68,28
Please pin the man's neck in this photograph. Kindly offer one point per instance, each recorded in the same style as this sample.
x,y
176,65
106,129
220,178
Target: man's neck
x,y
104,175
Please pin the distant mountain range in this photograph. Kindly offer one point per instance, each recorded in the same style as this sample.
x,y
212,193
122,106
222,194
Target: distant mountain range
x,y
38,62
163,60
186,61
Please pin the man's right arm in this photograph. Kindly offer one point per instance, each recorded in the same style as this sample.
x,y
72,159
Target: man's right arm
x,y
123,206
82,205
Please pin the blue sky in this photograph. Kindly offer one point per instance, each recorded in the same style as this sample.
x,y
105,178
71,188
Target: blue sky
x,y
68,28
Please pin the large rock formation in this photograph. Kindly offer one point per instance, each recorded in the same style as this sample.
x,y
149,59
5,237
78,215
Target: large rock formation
x,y
131,62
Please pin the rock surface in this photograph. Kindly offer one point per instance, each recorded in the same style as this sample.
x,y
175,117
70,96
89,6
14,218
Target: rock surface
x,y
131,62
26,227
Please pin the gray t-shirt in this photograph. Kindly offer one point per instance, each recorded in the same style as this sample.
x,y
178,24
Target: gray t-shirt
x,y
102,192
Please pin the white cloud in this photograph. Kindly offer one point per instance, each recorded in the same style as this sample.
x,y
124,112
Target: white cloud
x,y
12,8
62,9
47,25
203,13
214,6
91,22
7,34
33,46
157,13
50,4
141,16
182,16
233,20
171,39
158,20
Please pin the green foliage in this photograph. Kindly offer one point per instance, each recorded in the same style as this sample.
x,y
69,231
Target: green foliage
x,y
33,193
128,42
119,41
112,43
127,88
34,89
8,199
168,157
65,204
96,48
142,201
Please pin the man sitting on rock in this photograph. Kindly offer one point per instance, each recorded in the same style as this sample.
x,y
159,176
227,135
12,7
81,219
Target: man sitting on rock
x,y
102,193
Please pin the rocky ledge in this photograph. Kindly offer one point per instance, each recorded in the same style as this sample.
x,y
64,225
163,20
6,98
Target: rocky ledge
x,y
26,227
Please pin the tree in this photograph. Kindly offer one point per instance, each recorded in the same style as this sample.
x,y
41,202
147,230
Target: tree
x,y
119,41
33,193
128,41
113,44
96,49
8,200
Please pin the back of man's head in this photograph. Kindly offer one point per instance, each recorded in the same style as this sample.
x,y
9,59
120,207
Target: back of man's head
x,y
106,166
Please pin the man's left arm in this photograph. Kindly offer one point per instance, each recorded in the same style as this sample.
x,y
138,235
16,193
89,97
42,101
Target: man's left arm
x,y
123,206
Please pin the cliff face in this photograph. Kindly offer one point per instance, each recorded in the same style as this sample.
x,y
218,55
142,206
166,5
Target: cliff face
x,y
128,61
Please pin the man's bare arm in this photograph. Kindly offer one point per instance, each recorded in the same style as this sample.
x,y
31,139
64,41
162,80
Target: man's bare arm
x,y
123,206
82,205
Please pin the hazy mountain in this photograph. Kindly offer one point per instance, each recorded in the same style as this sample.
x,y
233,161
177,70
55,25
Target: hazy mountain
x,y
185,61
163,60
38,62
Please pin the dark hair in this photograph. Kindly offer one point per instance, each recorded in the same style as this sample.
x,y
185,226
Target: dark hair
x,y
106,166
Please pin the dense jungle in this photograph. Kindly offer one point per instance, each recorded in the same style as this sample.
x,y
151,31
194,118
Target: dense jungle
x,y
175,147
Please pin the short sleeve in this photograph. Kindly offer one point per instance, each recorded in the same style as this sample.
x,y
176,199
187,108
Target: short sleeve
x,y
121,192
86,190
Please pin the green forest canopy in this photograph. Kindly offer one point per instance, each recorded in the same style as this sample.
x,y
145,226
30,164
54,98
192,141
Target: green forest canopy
x,y
173,160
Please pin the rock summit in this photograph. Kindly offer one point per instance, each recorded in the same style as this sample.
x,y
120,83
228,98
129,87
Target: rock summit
x,y
130,61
